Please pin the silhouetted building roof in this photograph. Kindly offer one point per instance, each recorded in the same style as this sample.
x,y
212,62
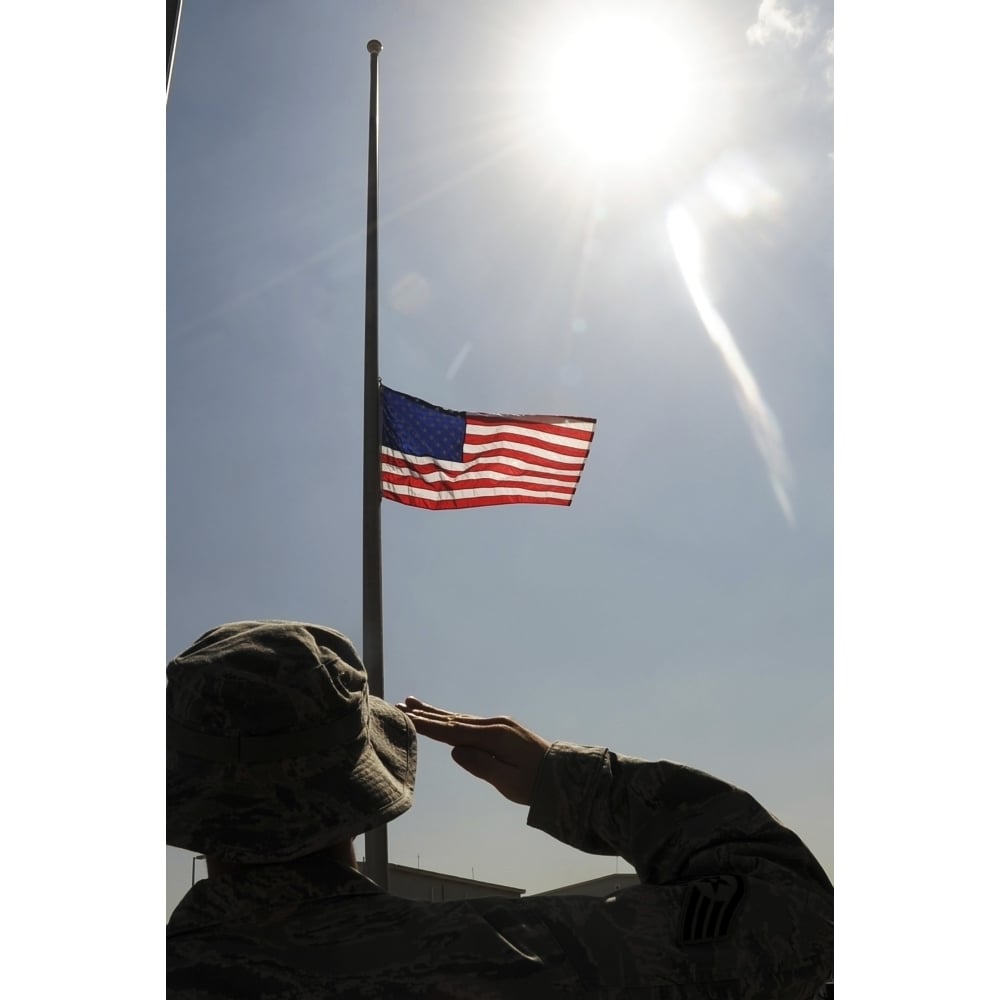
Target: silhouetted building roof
x,y
423,884
603,885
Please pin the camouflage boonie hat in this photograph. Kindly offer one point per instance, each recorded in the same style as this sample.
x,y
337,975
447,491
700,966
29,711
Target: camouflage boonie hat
x,y
274,747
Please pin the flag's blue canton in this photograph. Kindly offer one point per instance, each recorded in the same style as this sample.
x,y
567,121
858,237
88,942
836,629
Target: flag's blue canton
x,y
414,427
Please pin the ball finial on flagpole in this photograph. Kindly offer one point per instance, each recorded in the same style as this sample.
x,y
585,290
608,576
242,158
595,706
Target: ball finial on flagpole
x,y
374,46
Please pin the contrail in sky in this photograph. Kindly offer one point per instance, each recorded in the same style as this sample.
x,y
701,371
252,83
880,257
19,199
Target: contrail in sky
x,y
686,243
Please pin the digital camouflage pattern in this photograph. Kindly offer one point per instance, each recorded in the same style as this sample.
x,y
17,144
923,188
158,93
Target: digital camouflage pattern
x,y
732,906
274,747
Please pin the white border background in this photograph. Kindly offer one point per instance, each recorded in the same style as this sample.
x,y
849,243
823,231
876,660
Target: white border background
x,y
82,409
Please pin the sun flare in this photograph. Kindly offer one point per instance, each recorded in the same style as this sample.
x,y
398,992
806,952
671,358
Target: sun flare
x,y
619,89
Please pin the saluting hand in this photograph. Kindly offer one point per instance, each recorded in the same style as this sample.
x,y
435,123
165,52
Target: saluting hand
x,y
498,750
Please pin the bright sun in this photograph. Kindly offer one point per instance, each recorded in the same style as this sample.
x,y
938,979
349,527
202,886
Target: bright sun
x,y
619,89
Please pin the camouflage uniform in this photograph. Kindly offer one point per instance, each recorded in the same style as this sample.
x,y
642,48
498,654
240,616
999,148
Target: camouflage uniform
x,y
732,906
276,751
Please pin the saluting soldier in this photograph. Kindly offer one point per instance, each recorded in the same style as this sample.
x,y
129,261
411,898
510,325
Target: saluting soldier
x,y
277,757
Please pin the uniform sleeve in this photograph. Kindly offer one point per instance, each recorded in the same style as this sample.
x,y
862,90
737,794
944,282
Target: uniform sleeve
x,y
670,821
731,903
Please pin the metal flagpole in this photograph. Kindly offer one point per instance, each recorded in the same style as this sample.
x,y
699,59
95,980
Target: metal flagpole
x,y
173,26
376,841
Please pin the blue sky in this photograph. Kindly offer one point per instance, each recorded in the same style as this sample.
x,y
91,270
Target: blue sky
x,y
683,606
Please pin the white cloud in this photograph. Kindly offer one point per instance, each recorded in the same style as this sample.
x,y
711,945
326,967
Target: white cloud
x,y
779,22
800,25
828,54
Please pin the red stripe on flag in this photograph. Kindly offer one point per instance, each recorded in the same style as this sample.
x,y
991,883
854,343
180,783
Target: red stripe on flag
x,y
450,486
451,504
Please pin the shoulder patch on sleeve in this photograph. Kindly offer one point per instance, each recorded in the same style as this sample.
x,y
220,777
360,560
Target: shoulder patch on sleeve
x,y
709,908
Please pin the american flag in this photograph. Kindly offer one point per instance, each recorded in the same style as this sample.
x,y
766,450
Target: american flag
x,y
438,458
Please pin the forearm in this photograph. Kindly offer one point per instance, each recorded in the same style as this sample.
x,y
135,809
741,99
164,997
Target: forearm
x,y
668,820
